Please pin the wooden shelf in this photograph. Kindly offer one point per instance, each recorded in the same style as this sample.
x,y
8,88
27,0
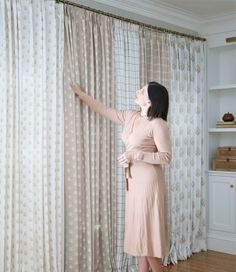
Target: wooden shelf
x,y
229,173
223,87
222,130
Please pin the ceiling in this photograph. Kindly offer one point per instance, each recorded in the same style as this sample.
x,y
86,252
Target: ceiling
x,y
205,9
204,17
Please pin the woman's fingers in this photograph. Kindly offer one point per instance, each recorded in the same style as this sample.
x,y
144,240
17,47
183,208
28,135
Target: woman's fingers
x,y
125,165
76,88
122,156
119,157
73,86
122,159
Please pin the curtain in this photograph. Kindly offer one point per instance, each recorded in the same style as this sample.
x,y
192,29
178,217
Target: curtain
x,y
127,66
177,63
141,55
154,57
138,55
186,182
90,181
51,144
31,136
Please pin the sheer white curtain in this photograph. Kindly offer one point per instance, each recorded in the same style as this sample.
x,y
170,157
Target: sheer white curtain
x,y
185,177
31,136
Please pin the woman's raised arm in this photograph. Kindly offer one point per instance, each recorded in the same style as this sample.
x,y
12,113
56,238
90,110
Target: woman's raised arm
x,y
116,116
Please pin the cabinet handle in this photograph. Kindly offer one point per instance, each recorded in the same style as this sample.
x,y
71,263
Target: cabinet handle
x,y
231,186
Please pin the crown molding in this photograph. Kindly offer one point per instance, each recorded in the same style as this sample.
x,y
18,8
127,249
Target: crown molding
x,y
216,25
159,12
168,14
190,14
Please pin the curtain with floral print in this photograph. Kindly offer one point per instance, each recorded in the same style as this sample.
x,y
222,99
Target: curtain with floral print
x,y
185,178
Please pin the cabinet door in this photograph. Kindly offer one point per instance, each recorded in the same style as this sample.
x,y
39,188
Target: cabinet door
x,y
222,203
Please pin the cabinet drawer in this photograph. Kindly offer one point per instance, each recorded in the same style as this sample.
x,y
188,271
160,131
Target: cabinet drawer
x,y
222,203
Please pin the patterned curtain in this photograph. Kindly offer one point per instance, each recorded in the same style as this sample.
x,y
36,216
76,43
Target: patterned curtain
x,y
110,59
90,181
141,55
154,57
185,177
126,52
31,136
177,63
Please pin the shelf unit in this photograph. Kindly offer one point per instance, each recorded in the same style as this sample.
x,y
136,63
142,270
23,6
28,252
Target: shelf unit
x,y
222,130
221,98
223,87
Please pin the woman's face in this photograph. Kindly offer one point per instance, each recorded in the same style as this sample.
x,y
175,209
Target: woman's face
x,y
142,96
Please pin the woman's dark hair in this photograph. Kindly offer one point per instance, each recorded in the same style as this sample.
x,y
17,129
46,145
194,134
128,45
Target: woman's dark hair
x,y
159,98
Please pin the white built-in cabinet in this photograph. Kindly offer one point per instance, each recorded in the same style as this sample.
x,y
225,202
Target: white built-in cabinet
x,y
222,212
221,98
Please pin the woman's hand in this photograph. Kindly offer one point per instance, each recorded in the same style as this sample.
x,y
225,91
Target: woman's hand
x,y
124,165
76,88
125,158
129,156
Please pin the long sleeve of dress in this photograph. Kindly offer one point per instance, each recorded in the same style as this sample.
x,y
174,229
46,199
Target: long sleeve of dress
x,y
162,141
116,116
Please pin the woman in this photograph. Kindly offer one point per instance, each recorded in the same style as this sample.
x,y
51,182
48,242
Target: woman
x,y
147,140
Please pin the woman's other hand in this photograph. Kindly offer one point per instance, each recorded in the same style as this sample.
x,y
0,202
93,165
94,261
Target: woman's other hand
x,y
76,88
125,158
124,165
129,156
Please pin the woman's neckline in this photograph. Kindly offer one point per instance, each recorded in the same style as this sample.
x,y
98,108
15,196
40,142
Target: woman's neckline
x,y
143,116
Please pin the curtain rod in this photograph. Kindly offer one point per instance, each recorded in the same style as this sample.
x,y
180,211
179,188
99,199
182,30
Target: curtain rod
x,y
130,20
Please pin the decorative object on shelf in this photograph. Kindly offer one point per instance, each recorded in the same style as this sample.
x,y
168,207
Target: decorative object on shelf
x,y
227,151
225,159
228,117
229,124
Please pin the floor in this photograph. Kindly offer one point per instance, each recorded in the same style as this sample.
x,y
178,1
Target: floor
x,y
207,261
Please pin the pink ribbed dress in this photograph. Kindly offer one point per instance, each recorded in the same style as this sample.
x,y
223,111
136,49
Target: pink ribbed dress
x,y
146,232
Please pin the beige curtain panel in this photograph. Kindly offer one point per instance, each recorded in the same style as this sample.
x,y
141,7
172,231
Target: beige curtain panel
x,y
90,181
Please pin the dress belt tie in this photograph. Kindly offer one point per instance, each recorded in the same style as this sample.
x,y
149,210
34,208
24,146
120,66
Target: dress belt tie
x,y
127,176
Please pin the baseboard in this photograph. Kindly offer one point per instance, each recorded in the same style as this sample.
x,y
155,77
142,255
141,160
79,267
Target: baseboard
x,y
221,244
